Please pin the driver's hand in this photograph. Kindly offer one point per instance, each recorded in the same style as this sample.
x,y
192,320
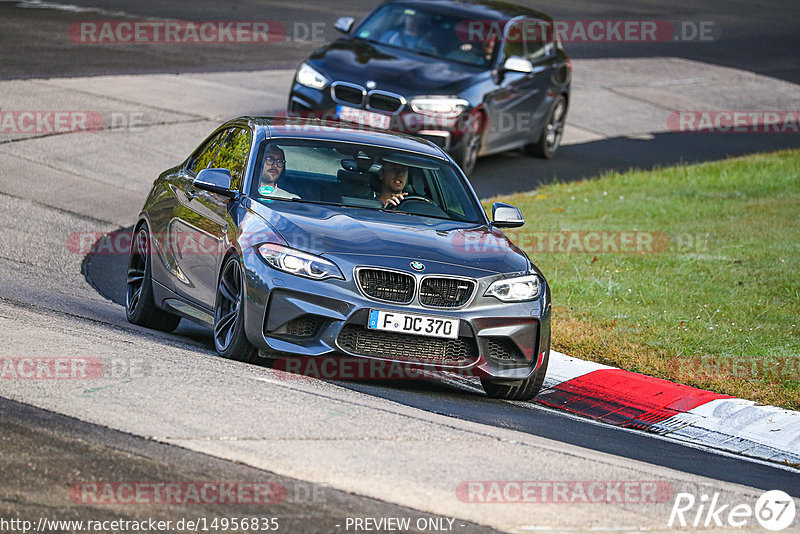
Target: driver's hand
x,y
394,200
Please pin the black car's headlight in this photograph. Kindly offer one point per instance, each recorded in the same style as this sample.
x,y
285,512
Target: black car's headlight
x,y
310,77
447,106
517,289
298,262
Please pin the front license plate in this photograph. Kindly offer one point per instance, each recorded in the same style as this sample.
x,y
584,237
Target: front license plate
x,y
367,118
420,325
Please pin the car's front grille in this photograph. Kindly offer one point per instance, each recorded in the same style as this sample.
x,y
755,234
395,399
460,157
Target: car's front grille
x,y
387,102
504,350
362,341
386,285
445,292
355,95
347,93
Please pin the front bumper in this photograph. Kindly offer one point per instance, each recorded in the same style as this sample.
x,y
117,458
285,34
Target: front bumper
x,y
293,315
446,133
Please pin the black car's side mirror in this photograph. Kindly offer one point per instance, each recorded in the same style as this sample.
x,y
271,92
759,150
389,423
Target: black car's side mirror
x,y
344,24
506,216
518,64
216,181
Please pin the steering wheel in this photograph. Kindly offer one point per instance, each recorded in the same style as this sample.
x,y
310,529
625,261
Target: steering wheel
x,y
411,197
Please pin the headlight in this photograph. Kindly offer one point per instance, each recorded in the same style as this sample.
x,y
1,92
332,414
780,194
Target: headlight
x,y
515,289
297,262
439,105
310,77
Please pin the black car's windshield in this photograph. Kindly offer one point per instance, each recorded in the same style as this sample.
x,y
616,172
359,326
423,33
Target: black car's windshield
x,y
362,176
428,32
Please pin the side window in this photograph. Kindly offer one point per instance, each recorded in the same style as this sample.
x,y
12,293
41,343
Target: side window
x,y
514,45
205,154
538,41
232,155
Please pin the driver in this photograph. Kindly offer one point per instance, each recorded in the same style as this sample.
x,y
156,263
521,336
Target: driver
x,y
274,167
412,35
394,177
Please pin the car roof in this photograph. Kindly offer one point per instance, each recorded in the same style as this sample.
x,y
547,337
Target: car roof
x,y
332,130
487,9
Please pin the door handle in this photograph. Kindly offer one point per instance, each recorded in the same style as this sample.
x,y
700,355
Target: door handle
x,y
189,193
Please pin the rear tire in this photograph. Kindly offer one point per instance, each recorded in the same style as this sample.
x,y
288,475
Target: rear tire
x,y
229,338
523,390
140,308
553,131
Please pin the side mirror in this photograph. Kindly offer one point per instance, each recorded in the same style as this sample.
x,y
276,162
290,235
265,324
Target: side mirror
x,y
216,181
505,216
518,64
344,24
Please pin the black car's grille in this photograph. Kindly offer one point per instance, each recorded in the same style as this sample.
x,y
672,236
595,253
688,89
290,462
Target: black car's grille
x,y
378,101
347,94
362,341
445,292
504,350
386,285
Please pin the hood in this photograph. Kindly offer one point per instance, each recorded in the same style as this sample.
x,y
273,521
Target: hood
x,y
365,236
392,69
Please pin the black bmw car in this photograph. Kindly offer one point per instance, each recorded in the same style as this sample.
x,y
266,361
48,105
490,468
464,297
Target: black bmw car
x,y
475,78
323,241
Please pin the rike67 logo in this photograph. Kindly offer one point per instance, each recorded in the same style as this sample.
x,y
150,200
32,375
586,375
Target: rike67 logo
x,y
774,510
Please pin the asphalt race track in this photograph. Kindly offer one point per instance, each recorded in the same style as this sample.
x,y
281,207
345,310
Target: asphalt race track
x,y
174,412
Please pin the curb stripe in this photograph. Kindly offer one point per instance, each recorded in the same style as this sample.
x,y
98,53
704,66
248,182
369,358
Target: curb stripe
x,y
632,400
622,398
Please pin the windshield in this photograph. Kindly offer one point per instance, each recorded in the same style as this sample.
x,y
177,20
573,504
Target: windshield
x,y
359,176
427,32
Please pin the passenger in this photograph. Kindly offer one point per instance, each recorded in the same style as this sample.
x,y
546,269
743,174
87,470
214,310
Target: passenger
x,y
274,167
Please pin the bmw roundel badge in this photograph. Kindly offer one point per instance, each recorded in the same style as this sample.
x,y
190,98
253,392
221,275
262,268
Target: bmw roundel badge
x,y
417,265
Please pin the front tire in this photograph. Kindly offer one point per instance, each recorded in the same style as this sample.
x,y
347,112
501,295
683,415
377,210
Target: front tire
x,y
550,138
140,308
467,155
229,338
523,390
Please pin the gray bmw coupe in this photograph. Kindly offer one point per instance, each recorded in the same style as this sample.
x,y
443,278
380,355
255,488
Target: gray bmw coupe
x,y
323,241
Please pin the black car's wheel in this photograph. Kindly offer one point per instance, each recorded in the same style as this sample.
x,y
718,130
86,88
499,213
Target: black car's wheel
x,y
229,337
467,154
553,131
140,307
522,390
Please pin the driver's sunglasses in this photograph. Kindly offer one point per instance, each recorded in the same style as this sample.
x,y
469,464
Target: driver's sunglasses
x,y
270,161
